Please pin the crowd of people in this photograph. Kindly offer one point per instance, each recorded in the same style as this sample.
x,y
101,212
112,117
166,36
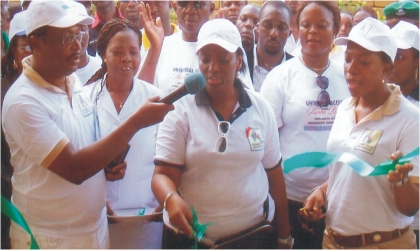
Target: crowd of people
x,y
85,134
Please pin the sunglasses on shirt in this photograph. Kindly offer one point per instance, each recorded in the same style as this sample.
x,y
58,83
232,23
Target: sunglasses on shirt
x,y
323,97
221,142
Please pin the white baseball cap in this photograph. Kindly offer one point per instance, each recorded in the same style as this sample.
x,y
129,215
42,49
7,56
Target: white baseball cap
x,y
17,25
60,14
221,32
372,35
406,35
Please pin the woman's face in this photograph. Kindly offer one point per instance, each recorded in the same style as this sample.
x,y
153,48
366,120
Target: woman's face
x,y
122,55
316,30
405,66
21,50
218,66
346,25
364,70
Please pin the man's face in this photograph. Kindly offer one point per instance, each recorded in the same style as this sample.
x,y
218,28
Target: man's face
x,y
273,29
247,21
232,9
57,50
192,15
160,9
130,10
293,5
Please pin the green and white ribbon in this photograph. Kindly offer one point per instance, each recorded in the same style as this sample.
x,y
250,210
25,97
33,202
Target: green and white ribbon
x,y
198,229
11,211
323,159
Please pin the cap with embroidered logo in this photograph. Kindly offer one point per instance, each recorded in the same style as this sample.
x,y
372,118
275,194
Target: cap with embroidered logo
x,y
406,35
407,9
221,32
60,14
372,35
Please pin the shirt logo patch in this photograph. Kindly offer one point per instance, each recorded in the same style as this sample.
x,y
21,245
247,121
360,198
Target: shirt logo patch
x,y
84,105
368,141
255,139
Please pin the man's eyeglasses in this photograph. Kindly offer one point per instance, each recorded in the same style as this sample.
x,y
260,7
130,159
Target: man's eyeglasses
x,y
67,39
128,1
196,4
25,48
221,142
323,97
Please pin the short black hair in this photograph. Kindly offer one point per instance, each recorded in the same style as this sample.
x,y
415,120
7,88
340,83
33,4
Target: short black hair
x,y
278,5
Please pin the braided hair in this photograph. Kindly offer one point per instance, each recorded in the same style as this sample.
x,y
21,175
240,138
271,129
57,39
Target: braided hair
x,y
107,32
7,62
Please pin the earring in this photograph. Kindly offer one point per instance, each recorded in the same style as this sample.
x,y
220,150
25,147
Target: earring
x,y
104,60
15,65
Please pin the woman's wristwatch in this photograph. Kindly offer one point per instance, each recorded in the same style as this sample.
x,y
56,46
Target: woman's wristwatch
x,y
286,241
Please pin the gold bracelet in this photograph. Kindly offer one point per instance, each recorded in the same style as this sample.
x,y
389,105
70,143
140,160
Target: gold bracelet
x,y
169,195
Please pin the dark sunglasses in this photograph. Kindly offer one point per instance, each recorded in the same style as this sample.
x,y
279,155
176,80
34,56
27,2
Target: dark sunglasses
x,y
323,98
196,4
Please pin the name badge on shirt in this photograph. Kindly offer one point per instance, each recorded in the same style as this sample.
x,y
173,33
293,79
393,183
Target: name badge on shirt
x,y
368,141
255,139
84,105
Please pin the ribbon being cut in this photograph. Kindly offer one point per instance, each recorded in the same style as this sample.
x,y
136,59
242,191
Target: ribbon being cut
x,y
323,159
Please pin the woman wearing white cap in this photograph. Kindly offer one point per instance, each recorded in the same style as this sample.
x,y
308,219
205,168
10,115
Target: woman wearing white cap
x,y
406,72
375,124
406,65
219,153
11,63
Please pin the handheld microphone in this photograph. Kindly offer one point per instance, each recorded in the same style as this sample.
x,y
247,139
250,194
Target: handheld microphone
x,y
193,83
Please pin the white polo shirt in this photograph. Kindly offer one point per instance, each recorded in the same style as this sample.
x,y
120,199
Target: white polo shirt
x,y
177,60
359,204
292,92
39,120
226,189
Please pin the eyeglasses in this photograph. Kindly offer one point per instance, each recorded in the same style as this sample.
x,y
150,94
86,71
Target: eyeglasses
x,y
129,1
221,142
196,4
25,48
323,97
67,39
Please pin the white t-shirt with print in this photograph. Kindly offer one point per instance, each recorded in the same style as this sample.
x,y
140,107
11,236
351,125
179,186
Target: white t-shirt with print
x,y
292,92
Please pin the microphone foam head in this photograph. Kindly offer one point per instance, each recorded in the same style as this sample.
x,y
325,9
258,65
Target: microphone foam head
x,y
194,83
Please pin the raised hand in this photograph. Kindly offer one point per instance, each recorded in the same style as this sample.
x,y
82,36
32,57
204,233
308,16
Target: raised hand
x,y
154,31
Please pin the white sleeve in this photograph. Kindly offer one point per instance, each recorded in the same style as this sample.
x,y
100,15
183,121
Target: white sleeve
x,y
32,129
172,136
272,91
272,154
